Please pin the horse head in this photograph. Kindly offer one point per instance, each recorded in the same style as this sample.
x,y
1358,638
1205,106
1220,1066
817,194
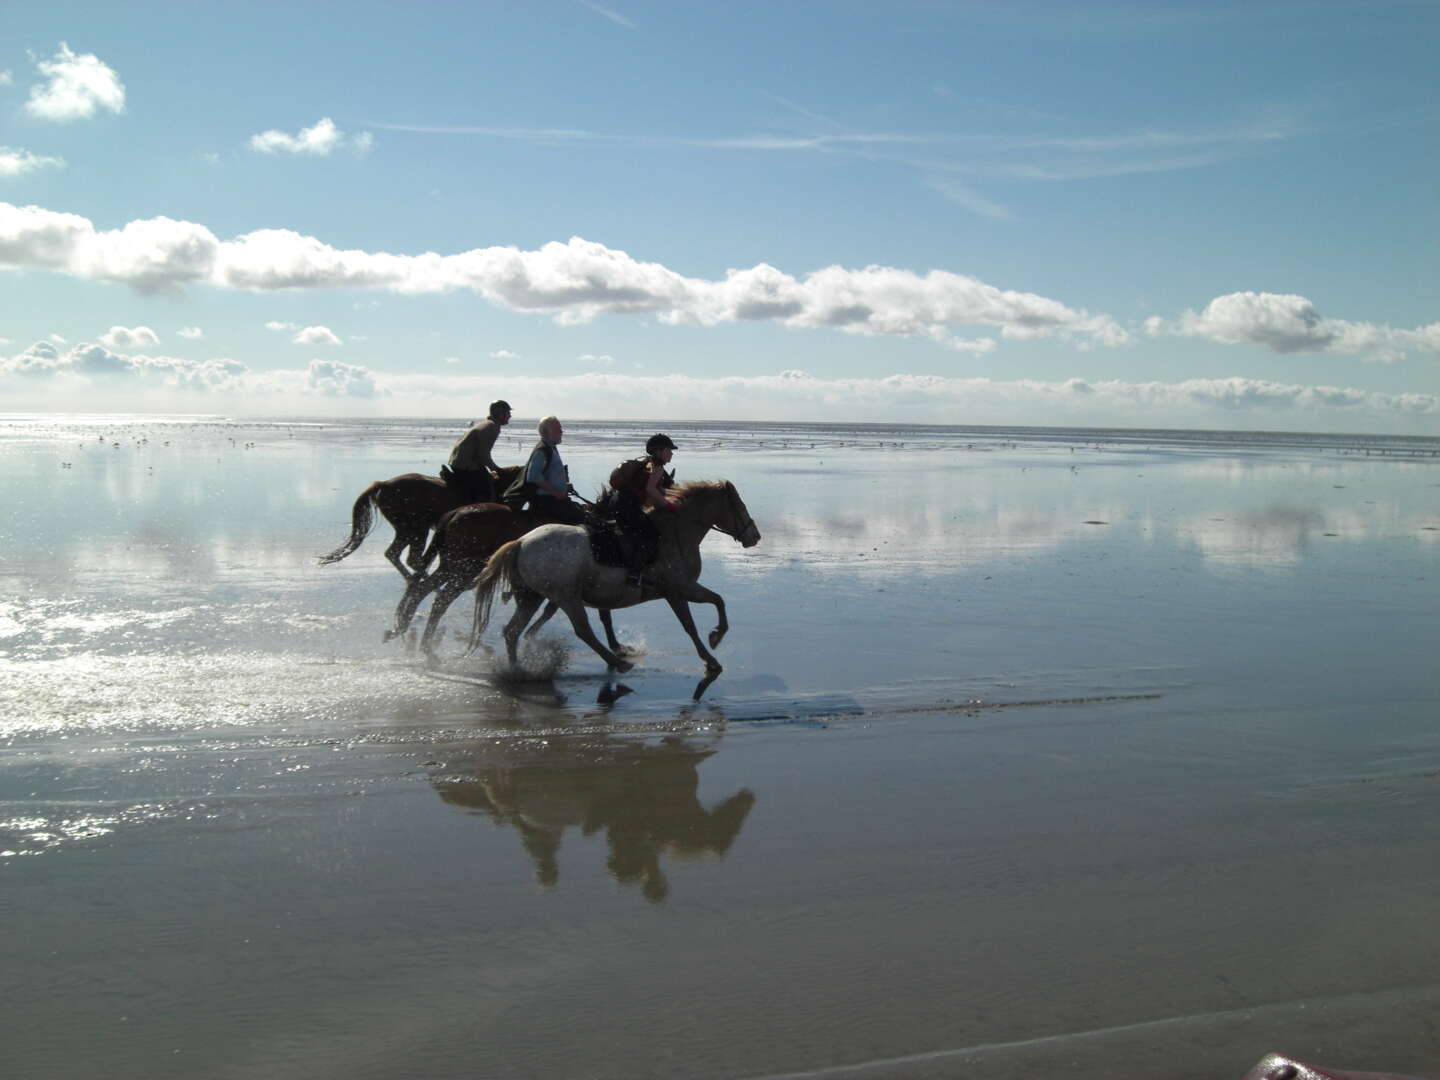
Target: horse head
x,y
741,525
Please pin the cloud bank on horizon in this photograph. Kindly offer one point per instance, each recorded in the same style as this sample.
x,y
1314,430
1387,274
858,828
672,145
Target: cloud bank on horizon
x,y
183,384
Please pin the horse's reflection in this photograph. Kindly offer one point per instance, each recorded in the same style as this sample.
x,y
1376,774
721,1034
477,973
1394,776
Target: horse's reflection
x,y
641,794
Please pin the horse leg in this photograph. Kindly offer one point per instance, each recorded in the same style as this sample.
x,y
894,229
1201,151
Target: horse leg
x,y
403,539
550,610
526,603
698,594
420,587
416,557
608,622
445,595
581,622
681,606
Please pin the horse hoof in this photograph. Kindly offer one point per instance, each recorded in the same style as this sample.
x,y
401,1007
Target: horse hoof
x,y
622,666
716,636
390,635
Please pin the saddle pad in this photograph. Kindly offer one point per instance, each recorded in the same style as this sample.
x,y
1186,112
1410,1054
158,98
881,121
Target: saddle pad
x,y
605,545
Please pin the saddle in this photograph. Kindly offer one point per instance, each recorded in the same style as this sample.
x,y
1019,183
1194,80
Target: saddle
x,y
611,544
607,543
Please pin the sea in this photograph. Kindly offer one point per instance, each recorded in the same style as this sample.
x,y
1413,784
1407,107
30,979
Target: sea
x,y
1037,752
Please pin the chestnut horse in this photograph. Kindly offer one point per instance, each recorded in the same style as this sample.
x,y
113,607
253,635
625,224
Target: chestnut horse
x,y
464,540
413,504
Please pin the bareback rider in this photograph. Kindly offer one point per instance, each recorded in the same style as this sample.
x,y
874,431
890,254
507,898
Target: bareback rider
x,y
545,481
471,467
635,485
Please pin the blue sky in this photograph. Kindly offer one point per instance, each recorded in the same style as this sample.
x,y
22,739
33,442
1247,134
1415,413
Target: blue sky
x,y
1187,214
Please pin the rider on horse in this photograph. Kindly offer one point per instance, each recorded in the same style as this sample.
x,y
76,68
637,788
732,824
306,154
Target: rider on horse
x,y
635,485
545,481
471,467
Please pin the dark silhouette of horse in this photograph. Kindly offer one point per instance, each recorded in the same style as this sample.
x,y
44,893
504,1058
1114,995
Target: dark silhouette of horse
x,y
642,795
413,504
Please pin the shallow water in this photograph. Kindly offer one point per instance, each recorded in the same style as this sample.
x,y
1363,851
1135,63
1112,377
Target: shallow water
x,y
1110,753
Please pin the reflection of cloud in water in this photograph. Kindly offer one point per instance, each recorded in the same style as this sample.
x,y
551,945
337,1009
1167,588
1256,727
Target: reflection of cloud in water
x,y
937,540
642,795
1282,534
1278,536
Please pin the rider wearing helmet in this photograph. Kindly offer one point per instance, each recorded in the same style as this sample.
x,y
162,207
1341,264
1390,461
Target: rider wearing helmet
x,y
636,485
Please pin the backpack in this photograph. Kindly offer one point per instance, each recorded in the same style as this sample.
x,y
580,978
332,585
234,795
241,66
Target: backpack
x,y
624,475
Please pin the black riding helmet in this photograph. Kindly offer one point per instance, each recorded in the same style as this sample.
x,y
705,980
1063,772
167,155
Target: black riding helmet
x,y
656,443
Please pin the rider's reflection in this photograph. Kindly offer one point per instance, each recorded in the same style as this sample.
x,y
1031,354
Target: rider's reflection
x,y
641,794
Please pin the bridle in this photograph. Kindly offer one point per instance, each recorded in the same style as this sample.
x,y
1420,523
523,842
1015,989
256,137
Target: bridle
x,y
732,498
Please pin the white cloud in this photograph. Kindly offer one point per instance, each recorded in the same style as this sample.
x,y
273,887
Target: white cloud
x,y
321,140
6,78
580,280
190,333
504,354
452,360
43,364
120,337
14,162
1286,323
89,363
276,325
604,361
575,281
77,86
57,339
316,335
331,378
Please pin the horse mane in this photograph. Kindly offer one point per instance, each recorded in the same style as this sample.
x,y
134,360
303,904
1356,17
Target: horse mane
x,y
695,487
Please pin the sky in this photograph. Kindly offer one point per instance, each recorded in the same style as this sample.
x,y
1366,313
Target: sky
x,y
1193,215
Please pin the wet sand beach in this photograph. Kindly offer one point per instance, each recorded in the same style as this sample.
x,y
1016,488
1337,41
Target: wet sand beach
x,y
1037,752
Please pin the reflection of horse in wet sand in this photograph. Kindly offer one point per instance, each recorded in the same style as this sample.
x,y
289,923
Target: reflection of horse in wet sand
x,y
643,796
555,563
413,504
464,540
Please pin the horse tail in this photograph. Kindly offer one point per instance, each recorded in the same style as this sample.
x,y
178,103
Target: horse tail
x,y
361,518
499,571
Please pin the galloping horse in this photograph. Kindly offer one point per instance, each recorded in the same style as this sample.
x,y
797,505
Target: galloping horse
x,y
554,563
465,539
413,504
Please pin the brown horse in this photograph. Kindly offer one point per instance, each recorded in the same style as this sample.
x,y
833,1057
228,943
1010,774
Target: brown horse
x,y
464,540
413,504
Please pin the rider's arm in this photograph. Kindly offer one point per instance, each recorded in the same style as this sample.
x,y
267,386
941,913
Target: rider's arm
x,y
486,452
654,493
